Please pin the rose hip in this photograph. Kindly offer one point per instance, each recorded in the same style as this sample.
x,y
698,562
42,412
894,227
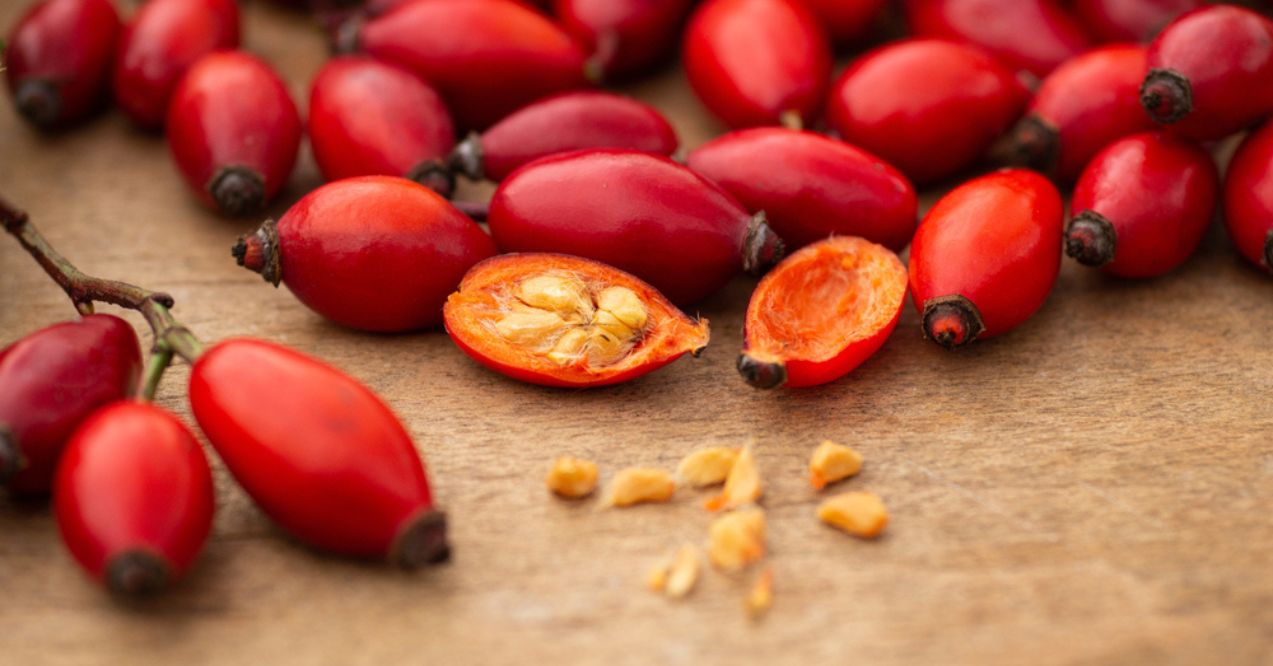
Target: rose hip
x,y
821,313
929,107
986,256
1211,72
558,320
370,118
641,213
161,42
562,123
134,497
486,58
1142,206
846,21
1129,20
318,452
57,60
1030,35
625,37
234,131
50,381
1248,198
757,62
1081,107
374,253
811,186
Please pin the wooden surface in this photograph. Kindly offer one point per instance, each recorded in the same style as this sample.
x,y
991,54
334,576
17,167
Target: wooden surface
x,y
1094,488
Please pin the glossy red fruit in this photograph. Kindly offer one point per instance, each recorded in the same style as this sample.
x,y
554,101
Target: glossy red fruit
x,y
846,21
562,123
374,253
161,42
134,497
1083,106
1142,206
325,458
368,118
487,58
1129,20
557,320
234,131
810,186
641,213
1248,198
1211,72
624,36
929,107
986,256
758,62
57,60
1030,35
821,313
50,381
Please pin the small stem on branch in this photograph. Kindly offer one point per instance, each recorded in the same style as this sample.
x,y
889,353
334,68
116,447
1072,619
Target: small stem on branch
x,y
160,359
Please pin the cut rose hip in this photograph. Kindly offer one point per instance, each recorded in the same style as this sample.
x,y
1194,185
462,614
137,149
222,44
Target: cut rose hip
x,y
558,320
860,514
572,478
1030,35
822,312
1129,20
624,36
1248,198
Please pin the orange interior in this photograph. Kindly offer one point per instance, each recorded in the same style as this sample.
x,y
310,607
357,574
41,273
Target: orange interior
x,y
823,298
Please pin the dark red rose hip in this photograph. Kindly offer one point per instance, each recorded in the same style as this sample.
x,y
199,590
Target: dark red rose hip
x,y
562,123
846,21
810,186
234,131
1030,35
134,497
641,213
1248,198
757,62
1142,206
624,36
57,60
50,381
1129,20
161,42
369,118
1211,73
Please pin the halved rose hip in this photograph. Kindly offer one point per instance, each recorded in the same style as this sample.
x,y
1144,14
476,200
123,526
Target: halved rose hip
x,y
821,313
559,320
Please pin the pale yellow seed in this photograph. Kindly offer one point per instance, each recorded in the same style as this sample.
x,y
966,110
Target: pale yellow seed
x,y
605,347
529,327
707,467
656,580
832,462
761,596
566,296
639,484
572,478
683,574
737,539
858,513
625,305
742,486
569,347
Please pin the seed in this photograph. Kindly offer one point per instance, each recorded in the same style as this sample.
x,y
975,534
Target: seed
x,y
624,305
566,296
677,574
742,486
572,478
860,514
639,484
762,593
569,347
737,539
832,462
605,347
529,327
707,467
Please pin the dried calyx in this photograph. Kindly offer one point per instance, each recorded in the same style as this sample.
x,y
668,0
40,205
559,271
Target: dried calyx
x,y
10,455
258,252
422,540
137,573
238,190
1033,143
1090,239
39,102
952,321
1166,95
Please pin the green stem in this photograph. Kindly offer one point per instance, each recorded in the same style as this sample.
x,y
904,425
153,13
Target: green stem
x,y
160,359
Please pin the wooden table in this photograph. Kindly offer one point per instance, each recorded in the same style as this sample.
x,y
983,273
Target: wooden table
x,y
1094,488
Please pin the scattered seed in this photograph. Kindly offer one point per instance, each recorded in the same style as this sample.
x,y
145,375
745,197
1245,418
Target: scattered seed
x,y
858,513
639,484
682,574
737,539
762,594
832,462
572,478
742,486
707,467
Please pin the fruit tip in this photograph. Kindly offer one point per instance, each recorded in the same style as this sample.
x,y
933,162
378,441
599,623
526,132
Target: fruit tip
x,y
1090,239
39,102
761,374
136,573
952,321
10,455
238,190
1166,95
421,540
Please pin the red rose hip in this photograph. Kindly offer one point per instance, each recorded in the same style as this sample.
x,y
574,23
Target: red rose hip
x,y
986,256
1030,35
324,457
624,36
57,60
757,62
1142,206
50,381
374,253
233,131
641,213
846,21
161,42
928,107
134,497
1211,72
1248,198
810,186
1129,20
368,118
563,123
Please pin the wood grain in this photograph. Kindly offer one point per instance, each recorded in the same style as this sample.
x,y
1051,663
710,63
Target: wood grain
x,y
1094,488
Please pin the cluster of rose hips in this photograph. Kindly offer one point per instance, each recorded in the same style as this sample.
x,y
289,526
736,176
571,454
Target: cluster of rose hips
x,y
596,235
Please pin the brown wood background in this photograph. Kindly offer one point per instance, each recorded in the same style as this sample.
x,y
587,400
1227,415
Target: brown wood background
x,y
1094,488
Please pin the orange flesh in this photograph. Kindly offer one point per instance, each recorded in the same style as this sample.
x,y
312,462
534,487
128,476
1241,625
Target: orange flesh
x,y
823,299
